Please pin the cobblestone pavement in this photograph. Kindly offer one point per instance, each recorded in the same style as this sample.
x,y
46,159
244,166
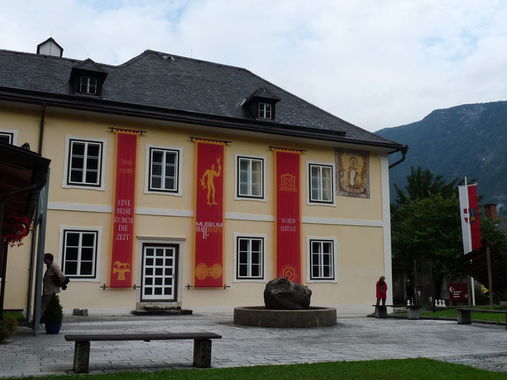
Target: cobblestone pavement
x,y
354,338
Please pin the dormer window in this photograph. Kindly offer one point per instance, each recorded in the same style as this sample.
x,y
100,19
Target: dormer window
x,y
265,111
87,78
88,85
261,104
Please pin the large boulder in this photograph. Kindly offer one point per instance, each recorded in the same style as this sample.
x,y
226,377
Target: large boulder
x,y
282,294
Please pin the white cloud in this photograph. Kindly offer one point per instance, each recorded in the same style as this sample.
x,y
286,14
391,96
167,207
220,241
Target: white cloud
x,y
374,63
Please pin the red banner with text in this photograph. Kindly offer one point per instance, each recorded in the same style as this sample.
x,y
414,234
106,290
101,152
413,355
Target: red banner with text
x,y
123,223
288,217
209,215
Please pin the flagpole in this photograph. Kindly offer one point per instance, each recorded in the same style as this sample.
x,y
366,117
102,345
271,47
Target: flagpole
x,y
469,230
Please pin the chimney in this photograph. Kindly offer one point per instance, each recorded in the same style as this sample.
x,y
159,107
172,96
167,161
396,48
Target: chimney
x,y
490,211
50,47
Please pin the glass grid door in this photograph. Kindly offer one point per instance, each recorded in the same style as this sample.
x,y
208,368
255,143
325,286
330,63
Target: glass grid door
x,y
159,272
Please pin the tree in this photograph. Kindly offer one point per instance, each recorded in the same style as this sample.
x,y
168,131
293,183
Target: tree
x,y
490,231
426,225
428,228
422,183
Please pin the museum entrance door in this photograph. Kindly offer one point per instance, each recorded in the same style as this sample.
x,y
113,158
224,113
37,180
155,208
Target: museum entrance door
x,y
159,274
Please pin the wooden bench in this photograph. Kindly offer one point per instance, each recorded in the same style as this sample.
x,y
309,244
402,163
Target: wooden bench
x,y
413,311
202,345
465,314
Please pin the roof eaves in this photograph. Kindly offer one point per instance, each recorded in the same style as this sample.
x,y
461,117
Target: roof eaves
x,y
99,105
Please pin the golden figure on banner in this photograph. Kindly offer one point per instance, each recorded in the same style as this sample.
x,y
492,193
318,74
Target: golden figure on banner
x,y
202,271
208,182
121,269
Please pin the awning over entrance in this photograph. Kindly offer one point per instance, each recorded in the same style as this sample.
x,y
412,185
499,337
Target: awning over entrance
x,y
21,168
23,174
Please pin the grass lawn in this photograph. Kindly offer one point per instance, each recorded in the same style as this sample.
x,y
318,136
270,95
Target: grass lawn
x,y
452,313
374,369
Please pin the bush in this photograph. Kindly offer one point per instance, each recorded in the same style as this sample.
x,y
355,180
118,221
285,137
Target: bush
x,y
8,327
54,311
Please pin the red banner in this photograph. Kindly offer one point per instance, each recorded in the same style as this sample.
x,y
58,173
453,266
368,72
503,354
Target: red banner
x,y
209,215
474,218
123,223
288,219
470,218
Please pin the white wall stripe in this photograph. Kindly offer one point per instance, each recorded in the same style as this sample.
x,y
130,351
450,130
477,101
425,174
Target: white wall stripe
x,y
251,217
163,212
343,222
386,216
228,216
79,207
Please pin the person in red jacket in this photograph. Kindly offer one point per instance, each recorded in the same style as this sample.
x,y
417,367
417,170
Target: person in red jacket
x,y
381,290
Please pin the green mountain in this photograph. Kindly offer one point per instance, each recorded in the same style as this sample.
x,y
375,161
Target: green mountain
x,y
468,140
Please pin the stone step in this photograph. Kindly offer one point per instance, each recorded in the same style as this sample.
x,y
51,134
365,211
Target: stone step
x,y
162,311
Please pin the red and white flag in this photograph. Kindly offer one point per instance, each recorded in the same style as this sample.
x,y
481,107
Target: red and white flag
x,y
470,223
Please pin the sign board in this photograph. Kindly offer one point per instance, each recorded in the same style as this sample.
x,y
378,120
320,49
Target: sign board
x,y
458,291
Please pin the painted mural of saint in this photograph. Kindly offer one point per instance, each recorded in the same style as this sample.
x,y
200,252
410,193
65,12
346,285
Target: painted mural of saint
x,y
353,174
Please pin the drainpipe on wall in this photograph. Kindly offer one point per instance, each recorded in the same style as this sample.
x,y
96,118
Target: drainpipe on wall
x,y
403,150
41,126
36,220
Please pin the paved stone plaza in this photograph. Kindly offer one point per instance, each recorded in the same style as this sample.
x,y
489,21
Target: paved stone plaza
x,y
354,338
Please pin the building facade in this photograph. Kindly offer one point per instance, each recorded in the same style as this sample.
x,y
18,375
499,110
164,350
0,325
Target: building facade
x,y
176,182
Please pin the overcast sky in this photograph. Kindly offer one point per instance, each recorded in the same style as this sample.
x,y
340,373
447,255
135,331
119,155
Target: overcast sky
x,y
374,63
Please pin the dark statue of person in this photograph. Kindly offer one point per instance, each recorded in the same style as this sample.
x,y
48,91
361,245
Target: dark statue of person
x,y
282,294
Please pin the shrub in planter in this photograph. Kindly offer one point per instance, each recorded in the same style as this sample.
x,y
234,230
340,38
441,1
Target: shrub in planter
x,y
7,327
11,324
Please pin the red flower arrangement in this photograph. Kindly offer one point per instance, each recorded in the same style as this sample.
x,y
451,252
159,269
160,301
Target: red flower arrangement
x,y
14,229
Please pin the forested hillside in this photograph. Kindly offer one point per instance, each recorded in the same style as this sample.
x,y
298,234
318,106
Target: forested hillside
x,y
468,140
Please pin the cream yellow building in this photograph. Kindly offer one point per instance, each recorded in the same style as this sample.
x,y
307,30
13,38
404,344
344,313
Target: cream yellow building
x,y
71,111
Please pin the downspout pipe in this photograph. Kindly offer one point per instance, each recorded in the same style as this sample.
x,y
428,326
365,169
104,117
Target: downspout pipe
x,y
403,149
36,219
41,126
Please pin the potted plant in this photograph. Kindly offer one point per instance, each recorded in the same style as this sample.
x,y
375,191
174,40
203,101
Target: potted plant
x,y
53,315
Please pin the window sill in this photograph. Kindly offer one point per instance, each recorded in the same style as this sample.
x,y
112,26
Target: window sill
x,y
96,188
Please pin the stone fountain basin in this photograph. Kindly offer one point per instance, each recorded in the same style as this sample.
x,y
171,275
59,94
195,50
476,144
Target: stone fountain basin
x,y
262,317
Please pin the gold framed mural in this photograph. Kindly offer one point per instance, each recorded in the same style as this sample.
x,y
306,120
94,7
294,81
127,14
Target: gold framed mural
x,y
353,173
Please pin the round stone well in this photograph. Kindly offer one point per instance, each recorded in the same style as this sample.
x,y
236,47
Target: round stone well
x,y
262,317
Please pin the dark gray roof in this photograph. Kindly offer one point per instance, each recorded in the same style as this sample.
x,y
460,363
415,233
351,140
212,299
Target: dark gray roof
x,y
88,64
169,83
263,93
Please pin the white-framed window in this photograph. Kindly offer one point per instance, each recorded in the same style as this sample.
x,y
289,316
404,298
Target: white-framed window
x,y
163,171
321,259
249,177
88,85
8,136
265,111
321,183
79,252
83,166
249,257
159,272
